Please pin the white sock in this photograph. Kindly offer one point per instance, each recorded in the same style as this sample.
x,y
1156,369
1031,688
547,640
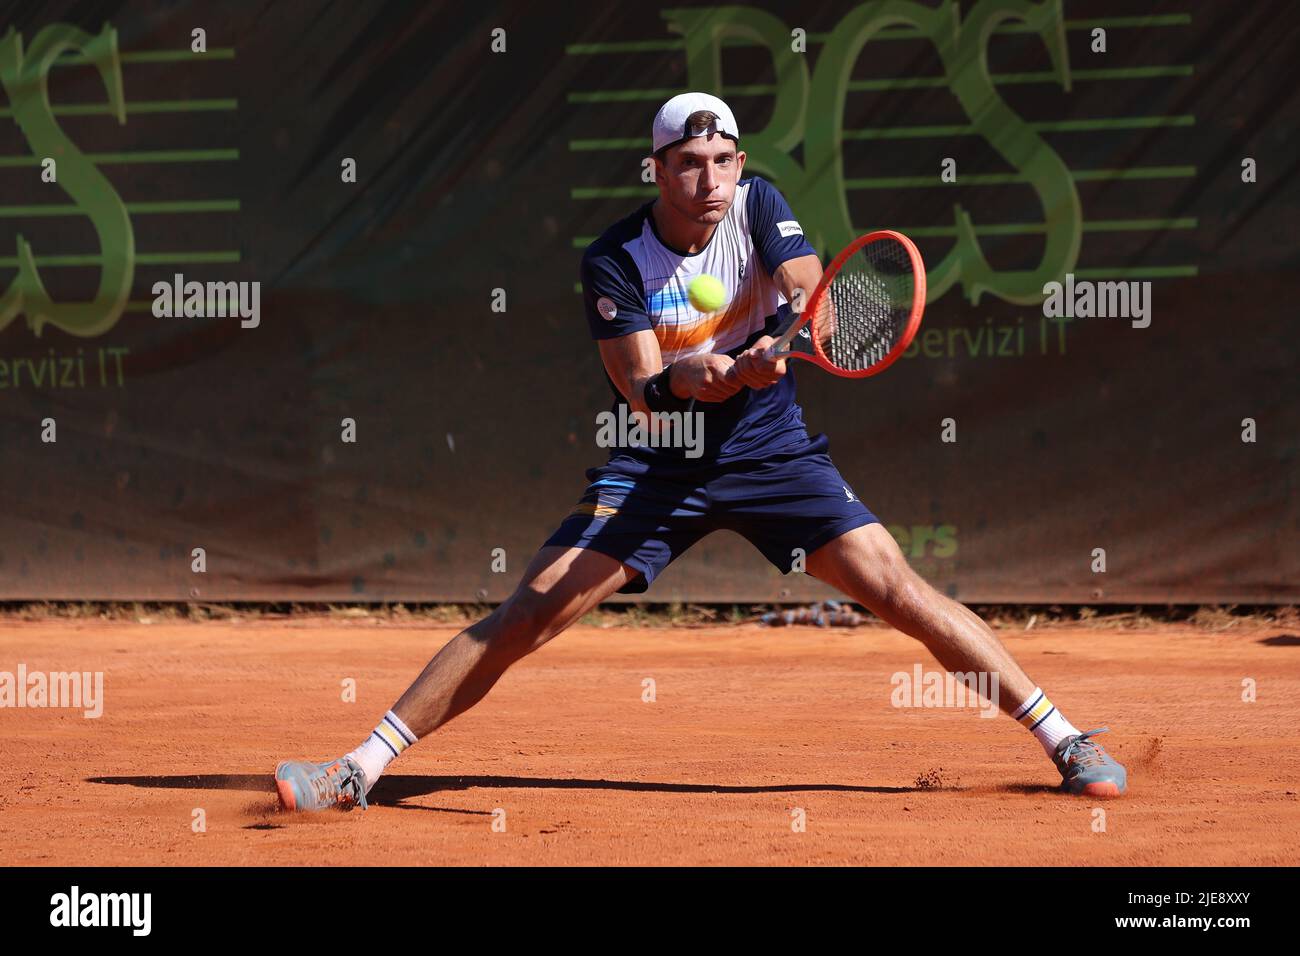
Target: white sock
x,y
383,745
1044,721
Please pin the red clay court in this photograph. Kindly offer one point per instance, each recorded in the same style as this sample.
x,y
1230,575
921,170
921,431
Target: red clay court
x,y
747,725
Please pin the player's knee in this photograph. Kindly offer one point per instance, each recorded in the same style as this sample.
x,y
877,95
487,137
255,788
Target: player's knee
x,y
899,586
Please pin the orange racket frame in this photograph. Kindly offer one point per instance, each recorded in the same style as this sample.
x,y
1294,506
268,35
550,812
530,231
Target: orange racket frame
x,y
780,348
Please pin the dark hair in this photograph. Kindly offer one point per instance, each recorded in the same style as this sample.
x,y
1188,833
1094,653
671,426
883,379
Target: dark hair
x,y
697,123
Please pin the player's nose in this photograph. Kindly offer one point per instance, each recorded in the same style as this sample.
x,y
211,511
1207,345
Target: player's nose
x,y
709,178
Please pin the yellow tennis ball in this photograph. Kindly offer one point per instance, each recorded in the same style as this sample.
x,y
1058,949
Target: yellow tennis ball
x,y
706,293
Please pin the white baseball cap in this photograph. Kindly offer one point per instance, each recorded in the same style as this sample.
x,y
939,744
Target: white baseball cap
x,y
670,121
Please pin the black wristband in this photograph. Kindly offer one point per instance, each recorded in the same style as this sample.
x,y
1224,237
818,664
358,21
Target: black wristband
x,y
659,395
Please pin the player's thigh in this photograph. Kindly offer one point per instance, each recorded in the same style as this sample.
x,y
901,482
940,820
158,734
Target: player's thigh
x,y
559,586
789,506
867,565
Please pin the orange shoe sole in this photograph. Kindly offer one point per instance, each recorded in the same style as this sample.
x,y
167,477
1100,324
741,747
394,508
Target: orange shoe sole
x,y
1106,788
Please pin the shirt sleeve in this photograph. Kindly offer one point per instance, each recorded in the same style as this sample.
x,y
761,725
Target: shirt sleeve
x,y
777,235
615,304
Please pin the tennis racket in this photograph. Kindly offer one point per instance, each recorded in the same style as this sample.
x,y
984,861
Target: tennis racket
x,y
865,310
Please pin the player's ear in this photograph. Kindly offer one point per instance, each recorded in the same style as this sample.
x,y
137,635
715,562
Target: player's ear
x,y
740,164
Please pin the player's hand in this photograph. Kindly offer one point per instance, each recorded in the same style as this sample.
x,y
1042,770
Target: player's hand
x,y
705,378
754,369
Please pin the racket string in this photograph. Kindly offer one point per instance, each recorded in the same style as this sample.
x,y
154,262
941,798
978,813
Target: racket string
x,y
867,306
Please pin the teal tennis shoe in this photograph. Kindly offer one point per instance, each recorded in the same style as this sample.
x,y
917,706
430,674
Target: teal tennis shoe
x,y
1087,769
303,785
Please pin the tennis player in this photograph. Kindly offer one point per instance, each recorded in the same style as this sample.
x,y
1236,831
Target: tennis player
x,y
759,472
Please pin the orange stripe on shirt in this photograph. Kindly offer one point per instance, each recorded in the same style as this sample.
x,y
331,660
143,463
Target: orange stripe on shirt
x,y
675,338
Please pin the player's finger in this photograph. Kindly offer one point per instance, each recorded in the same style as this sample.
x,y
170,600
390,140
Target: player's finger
x,y
753,378
721,389
767,366
752,360
766,361
724,390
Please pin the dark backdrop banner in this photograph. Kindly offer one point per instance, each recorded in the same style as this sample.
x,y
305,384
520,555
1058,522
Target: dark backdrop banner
x,y
433,302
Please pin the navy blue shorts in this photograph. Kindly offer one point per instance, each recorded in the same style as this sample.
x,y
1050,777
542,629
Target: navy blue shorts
x,y
786,501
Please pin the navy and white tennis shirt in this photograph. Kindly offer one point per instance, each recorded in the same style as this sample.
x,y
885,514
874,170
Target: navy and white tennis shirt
x,y
632,280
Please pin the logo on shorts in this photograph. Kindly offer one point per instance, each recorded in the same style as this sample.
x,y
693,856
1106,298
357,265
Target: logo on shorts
x,y
848,494
605,306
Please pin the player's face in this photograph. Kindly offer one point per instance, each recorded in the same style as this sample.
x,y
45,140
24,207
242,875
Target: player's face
x,y
698,178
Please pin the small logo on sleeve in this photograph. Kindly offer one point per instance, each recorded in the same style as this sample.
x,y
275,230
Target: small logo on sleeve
x,y
789,228
605,306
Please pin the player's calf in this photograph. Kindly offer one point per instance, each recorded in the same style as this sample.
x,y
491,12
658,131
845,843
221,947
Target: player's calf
x,y
559,586
867,565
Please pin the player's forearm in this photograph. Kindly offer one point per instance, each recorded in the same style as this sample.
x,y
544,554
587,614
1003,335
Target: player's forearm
x,y
797,279
632,361
633,389
638,397
678,382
